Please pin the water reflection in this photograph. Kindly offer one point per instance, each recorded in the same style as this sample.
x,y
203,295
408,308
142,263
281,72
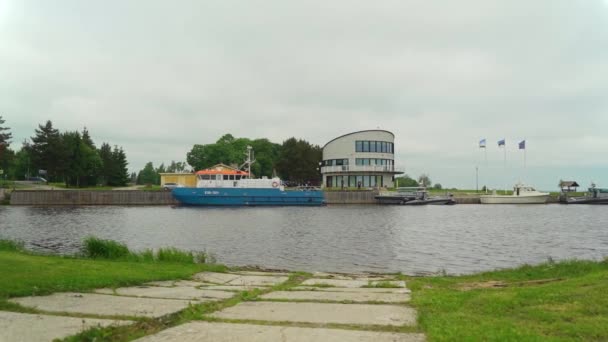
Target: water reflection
x,y
457,239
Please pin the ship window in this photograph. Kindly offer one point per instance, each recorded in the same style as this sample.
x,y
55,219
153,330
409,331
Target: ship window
x,y
238,177
366,146
339,162
372,146
359,146
231,177
226,177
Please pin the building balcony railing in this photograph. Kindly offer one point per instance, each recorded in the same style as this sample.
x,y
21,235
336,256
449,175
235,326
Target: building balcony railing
x,y
360,168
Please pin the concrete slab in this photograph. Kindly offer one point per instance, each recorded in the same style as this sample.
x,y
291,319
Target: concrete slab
x,y
172,283
257,280
17,327
356,297
364,277
227,332
99,304
351,289
360,282
237,279
232,287
260,273
335,282
178,292
367,314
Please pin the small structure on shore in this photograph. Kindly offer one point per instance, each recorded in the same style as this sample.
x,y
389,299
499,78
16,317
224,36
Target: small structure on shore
x,y
568,186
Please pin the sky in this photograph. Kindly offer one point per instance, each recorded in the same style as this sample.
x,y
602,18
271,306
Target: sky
x,y
157,77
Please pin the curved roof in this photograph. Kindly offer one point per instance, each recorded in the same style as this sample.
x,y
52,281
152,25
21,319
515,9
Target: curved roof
x,y
367,130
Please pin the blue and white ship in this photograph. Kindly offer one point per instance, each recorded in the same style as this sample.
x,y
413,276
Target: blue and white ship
x,y
223,186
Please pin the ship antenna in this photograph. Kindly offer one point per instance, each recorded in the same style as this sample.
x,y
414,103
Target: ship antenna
x,y
250,160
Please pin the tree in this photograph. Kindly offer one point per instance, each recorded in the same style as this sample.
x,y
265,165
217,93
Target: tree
x,y
424,180
47,152
437,186
107,163
299,161
6,154
20,166
405,181
119,175
147,175
5,134
83,163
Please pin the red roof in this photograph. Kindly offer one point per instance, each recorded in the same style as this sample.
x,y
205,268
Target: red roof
x,y
221,172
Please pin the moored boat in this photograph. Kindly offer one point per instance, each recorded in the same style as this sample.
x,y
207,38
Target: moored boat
x,y
522,194
593,196
413,196
224,186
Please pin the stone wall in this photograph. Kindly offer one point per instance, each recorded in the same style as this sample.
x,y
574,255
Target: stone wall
x,y
82,197
351,197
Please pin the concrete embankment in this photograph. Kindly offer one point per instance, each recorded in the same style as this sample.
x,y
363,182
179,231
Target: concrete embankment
x,y
81,197
138,197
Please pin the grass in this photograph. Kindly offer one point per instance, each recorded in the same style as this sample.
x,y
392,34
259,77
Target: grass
x,y
96,248
26,274
563,301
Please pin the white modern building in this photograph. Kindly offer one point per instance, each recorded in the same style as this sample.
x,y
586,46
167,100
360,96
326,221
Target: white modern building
x,y
362,159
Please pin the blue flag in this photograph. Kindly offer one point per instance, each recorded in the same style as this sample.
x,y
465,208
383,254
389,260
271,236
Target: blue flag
x,y
501,142
482,143
522,145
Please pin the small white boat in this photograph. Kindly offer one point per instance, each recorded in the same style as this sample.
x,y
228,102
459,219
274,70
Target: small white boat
x,y
522,194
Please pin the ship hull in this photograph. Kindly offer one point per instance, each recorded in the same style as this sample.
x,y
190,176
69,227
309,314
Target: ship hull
x,y
247,197
497,199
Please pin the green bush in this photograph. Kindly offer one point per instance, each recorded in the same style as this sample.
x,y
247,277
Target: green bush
x,y
96,248
13,246
104,249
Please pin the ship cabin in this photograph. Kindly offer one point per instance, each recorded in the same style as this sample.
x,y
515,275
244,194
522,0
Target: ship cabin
x,y
223,176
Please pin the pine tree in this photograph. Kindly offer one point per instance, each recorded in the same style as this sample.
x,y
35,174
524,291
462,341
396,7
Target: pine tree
x,y
107,163
47,151
86,138
120,174
6,155
5,134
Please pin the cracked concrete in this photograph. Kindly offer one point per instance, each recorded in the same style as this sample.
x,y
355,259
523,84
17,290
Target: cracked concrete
x,y
227,332
364,314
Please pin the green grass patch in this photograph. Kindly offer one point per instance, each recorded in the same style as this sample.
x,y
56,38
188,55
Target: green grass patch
x,y
25,274
11,246
96,248
563,301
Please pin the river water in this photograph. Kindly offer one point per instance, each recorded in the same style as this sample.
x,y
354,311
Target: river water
x,y
413,240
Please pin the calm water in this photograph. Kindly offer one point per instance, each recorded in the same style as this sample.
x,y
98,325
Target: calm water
x,y
457,239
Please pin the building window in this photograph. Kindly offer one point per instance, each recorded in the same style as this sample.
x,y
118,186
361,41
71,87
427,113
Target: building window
x,y
374,146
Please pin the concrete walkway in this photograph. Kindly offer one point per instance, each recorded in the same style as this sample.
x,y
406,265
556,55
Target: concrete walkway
x,y
326,307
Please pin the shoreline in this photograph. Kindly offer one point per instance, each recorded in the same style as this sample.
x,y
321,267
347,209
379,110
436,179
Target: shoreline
x,y
157,198
553,300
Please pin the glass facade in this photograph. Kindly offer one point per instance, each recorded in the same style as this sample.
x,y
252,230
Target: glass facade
x,y
363,181
374,161
335,162
374,146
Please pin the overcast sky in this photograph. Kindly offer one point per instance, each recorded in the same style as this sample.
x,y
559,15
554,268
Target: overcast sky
x,y
157,77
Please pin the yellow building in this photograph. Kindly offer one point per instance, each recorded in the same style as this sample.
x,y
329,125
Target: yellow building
x,y
186,179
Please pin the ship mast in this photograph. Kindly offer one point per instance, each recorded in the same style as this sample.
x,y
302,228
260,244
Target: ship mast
x,y
250,160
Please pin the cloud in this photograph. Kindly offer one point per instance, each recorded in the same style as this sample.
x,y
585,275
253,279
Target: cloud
x,y
159,77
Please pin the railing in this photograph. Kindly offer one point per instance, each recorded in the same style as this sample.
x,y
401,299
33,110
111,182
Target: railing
x,y
359,168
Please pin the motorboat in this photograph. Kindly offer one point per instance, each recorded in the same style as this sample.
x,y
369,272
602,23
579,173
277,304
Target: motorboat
x,y
413,196
594,195
522,194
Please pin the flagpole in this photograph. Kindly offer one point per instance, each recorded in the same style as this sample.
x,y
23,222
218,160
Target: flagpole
x,y
504,147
